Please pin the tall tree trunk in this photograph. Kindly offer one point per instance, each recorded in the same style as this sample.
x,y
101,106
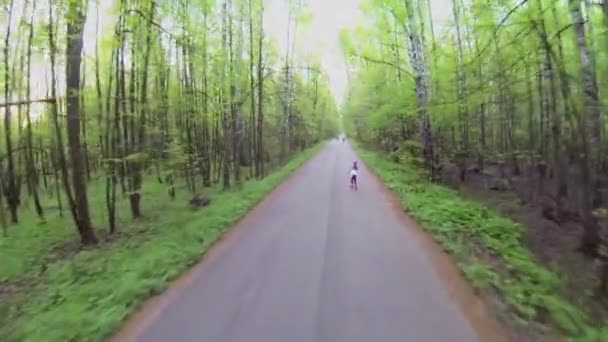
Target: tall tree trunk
x,y
418,62
75,29
10,189
589,126
286,119
254,166
32,174
206,124
260,97
134,195
234,107
550,105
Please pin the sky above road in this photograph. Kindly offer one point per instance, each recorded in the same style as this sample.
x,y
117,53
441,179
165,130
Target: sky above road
x,y
320,37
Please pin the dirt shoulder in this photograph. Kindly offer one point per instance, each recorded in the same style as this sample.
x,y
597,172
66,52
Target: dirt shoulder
x,y
472,304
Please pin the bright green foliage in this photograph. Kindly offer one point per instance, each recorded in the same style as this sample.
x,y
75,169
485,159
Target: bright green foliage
x,y
503,54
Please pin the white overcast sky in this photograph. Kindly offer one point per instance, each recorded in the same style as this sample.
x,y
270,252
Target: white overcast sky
x,y
320,37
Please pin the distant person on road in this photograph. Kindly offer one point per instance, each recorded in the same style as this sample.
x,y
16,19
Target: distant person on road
x,y
354,171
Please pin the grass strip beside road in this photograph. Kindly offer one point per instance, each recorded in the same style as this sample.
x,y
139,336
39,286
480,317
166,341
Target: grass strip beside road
x,y
86,296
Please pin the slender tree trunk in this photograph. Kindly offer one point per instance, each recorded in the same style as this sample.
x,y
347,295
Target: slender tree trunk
x,y
206,126
3,221
285,134
226,101
461,75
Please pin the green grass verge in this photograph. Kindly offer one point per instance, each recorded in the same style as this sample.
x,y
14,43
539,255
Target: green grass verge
x,y
86,296
465,228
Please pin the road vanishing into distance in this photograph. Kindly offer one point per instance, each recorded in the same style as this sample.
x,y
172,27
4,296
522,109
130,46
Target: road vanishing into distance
x,y
317,262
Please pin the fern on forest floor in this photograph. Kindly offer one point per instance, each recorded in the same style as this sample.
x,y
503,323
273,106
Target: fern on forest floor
x,y
487,247
86,295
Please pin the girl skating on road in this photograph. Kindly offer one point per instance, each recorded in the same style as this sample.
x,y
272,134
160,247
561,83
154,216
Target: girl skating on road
x,y
354,171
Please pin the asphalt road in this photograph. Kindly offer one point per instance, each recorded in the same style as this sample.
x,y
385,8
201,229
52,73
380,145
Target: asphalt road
x,y
315,262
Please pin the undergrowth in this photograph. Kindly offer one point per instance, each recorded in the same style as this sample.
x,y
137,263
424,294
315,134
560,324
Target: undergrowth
x,y
487,247
85,296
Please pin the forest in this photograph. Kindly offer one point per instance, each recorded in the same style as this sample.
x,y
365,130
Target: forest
x,y
502,107
122,119
107,153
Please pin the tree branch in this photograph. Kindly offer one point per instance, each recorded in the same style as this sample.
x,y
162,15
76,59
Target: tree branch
x,y
25,102
157,25
379,61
